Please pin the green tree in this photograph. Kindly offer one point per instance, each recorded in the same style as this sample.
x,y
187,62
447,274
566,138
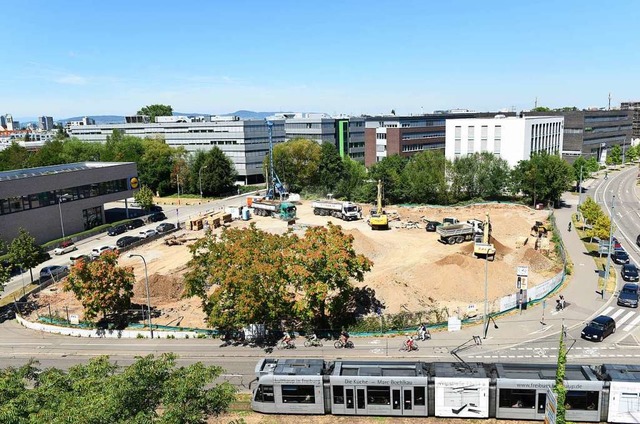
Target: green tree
x,y
101,285
14,157
600,228
151,390
423,178
543,178
296,163
590,210
614,157
580,170
390,171
633,153
330,168
480,175
156,164
5,272
592,164
352,183
218,173
156,110
75,150
144,197
49,154
541,109
559,389
122,148
24,252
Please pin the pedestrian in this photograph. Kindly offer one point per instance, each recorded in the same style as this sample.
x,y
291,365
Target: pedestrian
x,y
562,302
569,226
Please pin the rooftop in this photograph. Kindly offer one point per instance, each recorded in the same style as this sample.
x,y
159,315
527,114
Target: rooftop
x,y
17,174
617,372
543,372
382,369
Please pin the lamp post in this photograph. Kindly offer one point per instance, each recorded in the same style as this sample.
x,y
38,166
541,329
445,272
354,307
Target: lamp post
x,y
146,280
200,178
485,321
580,188
606,272
60,197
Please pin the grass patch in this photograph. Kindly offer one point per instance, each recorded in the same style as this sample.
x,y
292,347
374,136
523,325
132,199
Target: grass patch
x,y
17,294
242,404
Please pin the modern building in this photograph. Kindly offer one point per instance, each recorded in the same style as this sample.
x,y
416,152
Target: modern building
x,y
590,133
55,201
83,122
45,123
635,107
406,135
346,133
510,138
8,124
245,142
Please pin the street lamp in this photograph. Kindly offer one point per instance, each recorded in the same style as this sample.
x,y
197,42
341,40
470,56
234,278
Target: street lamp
x,y
60,197
200,178
606,272
485,320
146,279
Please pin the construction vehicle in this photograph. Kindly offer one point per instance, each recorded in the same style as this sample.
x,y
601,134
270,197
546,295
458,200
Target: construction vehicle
x,y
450,221
283,210
539,229
482,246
378,219
275,188
460,232
343,210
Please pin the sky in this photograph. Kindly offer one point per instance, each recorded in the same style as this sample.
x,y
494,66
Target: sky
x,y
74,58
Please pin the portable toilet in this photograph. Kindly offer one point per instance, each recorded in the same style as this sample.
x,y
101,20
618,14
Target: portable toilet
x,y
246,214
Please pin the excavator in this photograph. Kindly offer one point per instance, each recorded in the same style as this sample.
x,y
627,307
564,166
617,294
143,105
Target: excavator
x,y
379,219
482,247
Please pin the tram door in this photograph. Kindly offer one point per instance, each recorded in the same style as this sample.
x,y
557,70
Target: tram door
x,y
402,400
355,399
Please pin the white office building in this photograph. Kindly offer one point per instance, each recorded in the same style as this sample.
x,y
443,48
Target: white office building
x,y
512,139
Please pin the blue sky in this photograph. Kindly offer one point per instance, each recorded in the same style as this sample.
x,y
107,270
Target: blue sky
x,y
68,58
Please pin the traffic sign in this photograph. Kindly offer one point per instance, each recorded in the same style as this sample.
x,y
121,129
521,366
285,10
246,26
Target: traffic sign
x,y
522,271
550,407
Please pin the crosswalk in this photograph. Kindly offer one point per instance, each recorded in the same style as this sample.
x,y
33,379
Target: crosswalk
x,y
622,316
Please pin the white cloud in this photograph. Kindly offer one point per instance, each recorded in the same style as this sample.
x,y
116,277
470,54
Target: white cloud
x,y
70,79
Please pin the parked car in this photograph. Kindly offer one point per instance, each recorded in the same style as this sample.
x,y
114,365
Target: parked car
x,y
127,241
638,240
156,217
628,296
135,223
598,329
155,208
75,259
616,244
64,248
147,233
620,257
53,271
432,225
629,272
117,230
164,227
96,252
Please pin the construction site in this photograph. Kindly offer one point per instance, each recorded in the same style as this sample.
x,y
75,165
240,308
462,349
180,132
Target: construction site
x,y
413,269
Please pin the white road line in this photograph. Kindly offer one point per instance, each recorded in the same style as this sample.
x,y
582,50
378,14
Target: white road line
x,y
625,318
616,313
26,344
606,311
632,324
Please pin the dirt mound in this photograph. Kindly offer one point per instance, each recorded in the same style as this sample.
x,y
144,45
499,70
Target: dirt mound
x,y
457,259
537,261
501,249
162,288
363,244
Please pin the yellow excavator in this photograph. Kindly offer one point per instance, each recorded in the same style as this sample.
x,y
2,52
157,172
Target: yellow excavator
x,y
378,219
482,247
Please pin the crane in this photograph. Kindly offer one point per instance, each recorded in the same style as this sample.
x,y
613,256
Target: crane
x,y
379,219
274,185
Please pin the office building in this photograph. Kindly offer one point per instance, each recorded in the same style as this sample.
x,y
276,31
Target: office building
x,y
45,123
635,107
510,138
245,142
50,201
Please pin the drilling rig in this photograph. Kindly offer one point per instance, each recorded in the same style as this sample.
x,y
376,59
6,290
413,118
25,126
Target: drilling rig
x,y
274,185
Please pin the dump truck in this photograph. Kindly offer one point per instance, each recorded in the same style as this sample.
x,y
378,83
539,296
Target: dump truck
x,y
457,233
283,210
346,211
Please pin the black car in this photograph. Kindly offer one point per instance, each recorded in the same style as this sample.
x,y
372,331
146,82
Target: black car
x,y
628,296
155,208
620,257
432,225
160,216
629,272
127,241
135,223
117,230
598,329
164,227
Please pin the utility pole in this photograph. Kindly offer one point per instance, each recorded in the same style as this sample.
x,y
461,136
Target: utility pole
x,y
580,188
606,272
485,321
536,103
609,101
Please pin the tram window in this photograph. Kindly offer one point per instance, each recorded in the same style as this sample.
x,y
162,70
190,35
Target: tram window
x,y
298,394
379,395
419,395
349,398
542,402
396,399
264,394
407,399
517,398
580,399
338,394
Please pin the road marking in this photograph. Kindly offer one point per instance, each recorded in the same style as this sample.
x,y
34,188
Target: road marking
x,y
26,344
606,311
616,313
625,318
632,324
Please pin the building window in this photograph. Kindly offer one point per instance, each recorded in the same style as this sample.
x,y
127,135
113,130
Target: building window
x,y
92,217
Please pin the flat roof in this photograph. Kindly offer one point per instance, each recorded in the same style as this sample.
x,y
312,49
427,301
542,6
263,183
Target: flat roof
x,y
451,369
380,369
17,174
293,366
615,372
543,372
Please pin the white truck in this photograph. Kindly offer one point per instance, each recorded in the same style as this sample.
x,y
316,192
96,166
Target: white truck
x,y
346,211
457,233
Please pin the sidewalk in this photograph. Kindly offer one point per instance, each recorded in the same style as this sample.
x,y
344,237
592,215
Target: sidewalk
x,y
579,290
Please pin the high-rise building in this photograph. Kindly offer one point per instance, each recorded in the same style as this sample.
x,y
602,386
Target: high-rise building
x,y
45,123
635,107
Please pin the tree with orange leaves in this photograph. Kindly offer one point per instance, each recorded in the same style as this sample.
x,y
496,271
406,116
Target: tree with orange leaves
x,y
101,285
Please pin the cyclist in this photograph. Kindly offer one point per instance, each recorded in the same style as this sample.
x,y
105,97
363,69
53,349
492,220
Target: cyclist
x,y
422,332
344,337
286,338
409,344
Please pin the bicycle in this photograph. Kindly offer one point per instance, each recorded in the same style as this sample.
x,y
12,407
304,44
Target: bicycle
x,y
313,343
405,347
339,344
286,345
